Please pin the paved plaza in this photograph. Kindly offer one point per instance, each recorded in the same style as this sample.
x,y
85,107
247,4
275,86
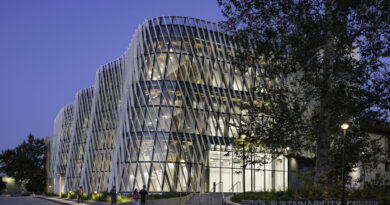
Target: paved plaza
x,y
24,201
42,200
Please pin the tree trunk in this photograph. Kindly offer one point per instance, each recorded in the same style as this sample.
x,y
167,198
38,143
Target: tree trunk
x,y
323,143
323,134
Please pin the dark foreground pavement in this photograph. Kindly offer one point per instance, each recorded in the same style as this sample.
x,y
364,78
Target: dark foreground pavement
x,y
24,200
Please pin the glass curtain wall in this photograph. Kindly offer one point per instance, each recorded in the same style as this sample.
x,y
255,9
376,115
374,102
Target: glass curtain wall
x,y
225,170
61,144
162,114
81,112
102,130
183,96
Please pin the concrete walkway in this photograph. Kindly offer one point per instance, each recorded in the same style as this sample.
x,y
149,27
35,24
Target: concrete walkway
x,y
206,199
23,200
169,201
71,201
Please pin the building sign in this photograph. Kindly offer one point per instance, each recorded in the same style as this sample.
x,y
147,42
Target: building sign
x,y
248,202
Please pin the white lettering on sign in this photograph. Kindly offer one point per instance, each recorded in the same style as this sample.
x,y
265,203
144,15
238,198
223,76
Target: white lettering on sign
x,y
312,202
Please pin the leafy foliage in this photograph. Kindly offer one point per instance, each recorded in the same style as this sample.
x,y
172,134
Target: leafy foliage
x,y
375,190
320,63
315,194
26,164
165,196
121,198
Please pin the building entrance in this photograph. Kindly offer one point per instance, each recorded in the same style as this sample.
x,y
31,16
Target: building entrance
x,y
225,173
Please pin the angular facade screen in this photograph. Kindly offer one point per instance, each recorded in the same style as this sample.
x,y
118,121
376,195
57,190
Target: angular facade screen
x,y
162,115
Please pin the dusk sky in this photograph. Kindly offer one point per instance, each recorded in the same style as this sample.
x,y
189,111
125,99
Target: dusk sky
x,y
50,49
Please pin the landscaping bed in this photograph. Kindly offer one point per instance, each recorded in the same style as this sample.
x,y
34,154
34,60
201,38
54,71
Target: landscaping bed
x,y
316,194
121,197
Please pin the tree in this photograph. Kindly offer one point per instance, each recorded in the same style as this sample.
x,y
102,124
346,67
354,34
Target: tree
x,y
3,185
26,163
327,59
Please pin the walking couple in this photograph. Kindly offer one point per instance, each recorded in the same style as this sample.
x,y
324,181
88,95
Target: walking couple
x,y
142,194
136,195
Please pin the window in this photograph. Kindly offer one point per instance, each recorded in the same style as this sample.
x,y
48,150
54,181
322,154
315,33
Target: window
x,y
387,167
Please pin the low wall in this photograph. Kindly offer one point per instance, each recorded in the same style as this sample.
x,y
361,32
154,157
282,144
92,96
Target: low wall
x,y
170,201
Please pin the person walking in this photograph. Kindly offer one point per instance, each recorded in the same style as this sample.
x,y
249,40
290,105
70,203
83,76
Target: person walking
x,y
80,195
113,195
136,197
143,194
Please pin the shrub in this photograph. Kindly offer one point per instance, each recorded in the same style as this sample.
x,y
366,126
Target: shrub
x,y
121,198
166,195
101,197
51,194
124,198
62,195
328,193
87,196
72,195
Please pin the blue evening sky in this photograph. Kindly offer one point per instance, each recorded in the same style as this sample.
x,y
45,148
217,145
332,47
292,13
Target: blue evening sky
x,y
50,49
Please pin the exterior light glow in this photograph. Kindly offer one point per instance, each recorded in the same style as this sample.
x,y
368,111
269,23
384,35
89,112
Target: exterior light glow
x,y
178,122
344,126
8,179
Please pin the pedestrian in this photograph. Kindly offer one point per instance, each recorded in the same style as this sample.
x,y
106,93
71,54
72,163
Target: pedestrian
x,y
80,195
143,194
113,195
136,197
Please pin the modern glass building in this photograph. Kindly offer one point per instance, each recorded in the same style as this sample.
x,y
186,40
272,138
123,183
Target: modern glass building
x,y
82,111
59,146
162,115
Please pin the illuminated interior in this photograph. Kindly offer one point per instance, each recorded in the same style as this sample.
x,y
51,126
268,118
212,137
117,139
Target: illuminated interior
x,y
162,115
